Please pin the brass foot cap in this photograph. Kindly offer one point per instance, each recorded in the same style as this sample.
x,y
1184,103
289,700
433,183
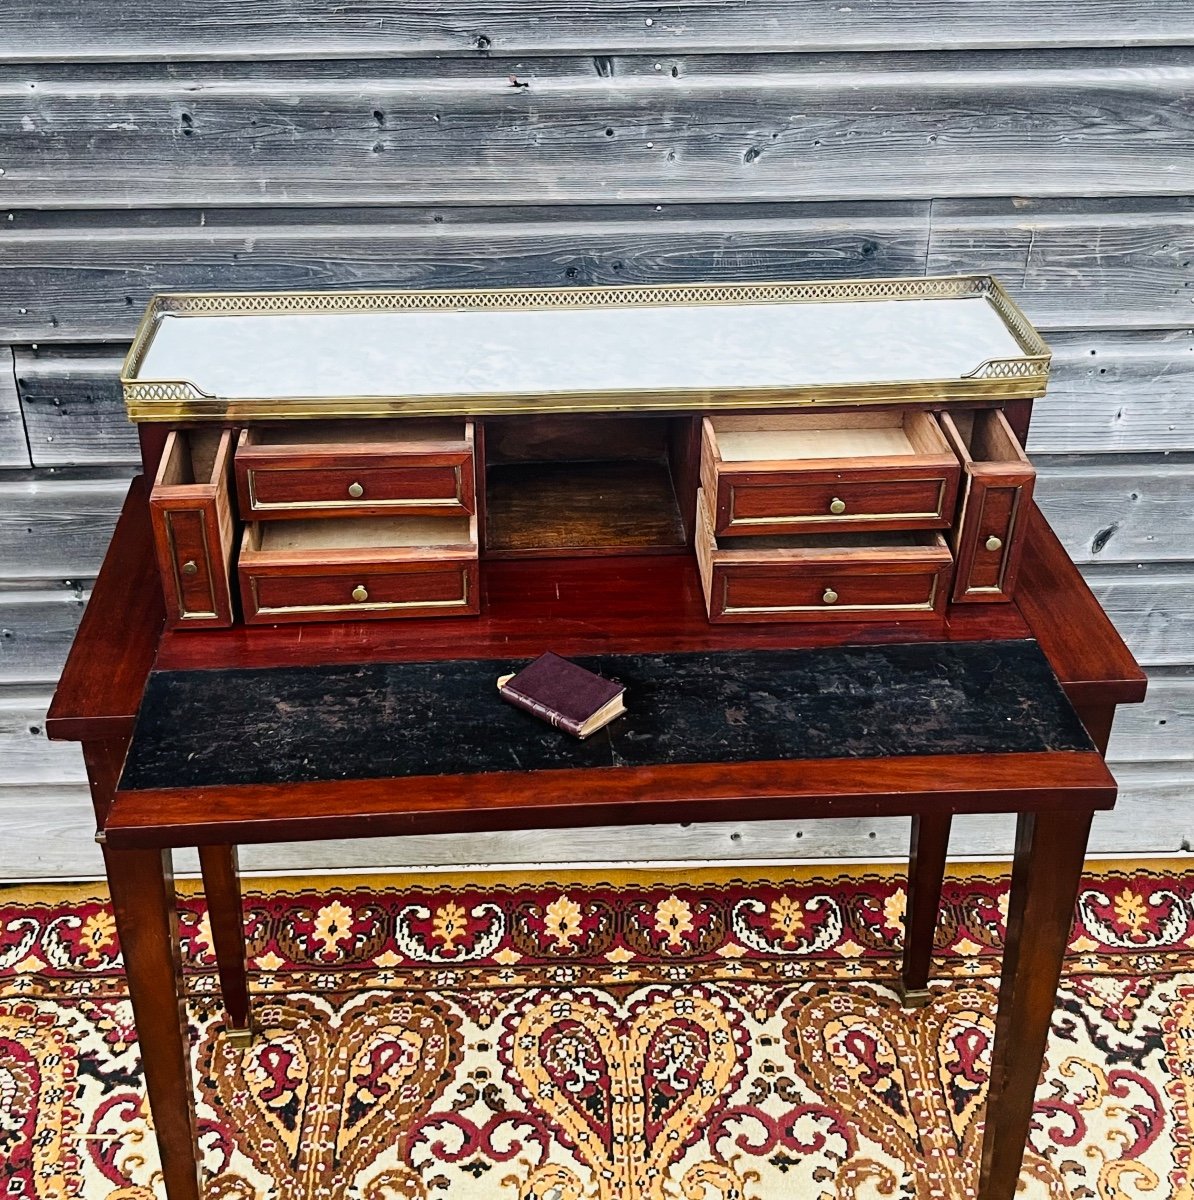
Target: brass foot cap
x,y
913,997
238,1039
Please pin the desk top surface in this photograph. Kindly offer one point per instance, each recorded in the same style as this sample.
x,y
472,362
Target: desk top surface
x,y
304,724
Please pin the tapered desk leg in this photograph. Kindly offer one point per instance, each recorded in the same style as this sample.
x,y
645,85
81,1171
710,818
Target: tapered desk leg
x,y
1046,875
221,885
142,887
926,873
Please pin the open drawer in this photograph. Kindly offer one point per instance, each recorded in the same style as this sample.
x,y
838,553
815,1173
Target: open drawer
x,y
356,468
359,568
884,575
819,472
190,510
997,489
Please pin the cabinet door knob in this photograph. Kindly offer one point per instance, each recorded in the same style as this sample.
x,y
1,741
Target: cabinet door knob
x,y
359,594
837,507
190,567
830,596
994,543
355,491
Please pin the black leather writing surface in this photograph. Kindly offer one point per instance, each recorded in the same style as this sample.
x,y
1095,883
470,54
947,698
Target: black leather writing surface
x,y
382,720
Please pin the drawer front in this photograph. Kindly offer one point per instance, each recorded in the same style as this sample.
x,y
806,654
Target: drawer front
x,y
426,485
193,564
360,593
821,592
990,541
194,531
818,502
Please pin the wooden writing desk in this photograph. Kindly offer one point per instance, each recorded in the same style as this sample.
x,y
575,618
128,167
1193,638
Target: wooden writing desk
x,y
1048,772
767,678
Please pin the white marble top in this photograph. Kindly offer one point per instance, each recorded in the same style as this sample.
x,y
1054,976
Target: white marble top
x,y
424,353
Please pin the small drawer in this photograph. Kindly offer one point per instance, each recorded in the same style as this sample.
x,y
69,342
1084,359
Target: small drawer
x,y
356,469
997,489
190,509
884,575
359,568
820,472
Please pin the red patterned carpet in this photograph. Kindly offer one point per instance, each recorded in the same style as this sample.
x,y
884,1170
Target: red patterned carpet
x,y
696,1035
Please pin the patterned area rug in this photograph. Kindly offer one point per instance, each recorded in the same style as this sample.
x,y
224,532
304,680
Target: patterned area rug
x,y
696,1035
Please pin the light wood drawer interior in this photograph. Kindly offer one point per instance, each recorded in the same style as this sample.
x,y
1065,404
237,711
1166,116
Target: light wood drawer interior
x,y
844,575
996,490
356,468
194,526
817,472
359,568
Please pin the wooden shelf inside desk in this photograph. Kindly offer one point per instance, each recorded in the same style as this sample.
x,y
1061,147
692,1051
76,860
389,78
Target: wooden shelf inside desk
x,y
619,507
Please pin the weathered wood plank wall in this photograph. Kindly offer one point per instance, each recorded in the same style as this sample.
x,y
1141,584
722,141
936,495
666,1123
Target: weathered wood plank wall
x,y
268,144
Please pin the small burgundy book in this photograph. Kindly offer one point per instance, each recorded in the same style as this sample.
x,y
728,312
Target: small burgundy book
x,y
564,694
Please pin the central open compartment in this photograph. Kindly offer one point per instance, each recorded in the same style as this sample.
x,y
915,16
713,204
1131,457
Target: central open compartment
x,y
580,485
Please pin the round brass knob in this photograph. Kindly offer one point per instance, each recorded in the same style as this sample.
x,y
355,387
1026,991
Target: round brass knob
x,y
830,596
994,543
190,567
355,491
837,507
359,594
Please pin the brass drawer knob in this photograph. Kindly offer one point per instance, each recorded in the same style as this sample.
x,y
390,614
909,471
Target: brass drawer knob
x,y
359,594
994,543
355,491
190,567
830,596
837,507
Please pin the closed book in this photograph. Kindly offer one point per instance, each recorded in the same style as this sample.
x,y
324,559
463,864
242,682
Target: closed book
x,y
564,694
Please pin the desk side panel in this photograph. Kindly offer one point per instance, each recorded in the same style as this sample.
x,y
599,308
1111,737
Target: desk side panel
x,y
1091,660
101,685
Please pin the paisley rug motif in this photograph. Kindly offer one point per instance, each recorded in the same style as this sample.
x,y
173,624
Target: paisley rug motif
x,y
697,1035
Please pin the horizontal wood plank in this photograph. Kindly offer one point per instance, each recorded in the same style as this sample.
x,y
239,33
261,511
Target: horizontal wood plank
x,y
28,757
1079,264
88,277
1116,391
1111,510
36,629
74,407
721,128
14,452
1162,728
167,29
1153,610
56,528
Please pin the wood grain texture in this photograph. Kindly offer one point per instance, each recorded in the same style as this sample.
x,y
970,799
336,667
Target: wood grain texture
x,y
28,757
36,628
1079,264
73,408
1153,609
1116,510
89,275
1162,728
56,528
1112,390
724,128
171,30
14,451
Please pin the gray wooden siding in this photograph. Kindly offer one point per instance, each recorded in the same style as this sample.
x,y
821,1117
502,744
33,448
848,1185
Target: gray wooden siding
x,y
164,146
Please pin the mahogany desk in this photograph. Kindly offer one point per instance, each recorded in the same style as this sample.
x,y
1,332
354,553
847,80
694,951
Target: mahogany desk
x,y
597,606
